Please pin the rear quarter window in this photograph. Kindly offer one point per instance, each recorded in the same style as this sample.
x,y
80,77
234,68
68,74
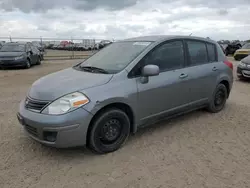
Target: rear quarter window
x,y
211,49
220,53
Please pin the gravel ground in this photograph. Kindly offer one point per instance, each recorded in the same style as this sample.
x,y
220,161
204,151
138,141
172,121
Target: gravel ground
x,y
63,54
195,150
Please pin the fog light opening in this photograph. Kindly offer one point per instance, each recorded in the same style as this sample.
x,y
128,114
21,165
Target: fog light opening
x,y
49,136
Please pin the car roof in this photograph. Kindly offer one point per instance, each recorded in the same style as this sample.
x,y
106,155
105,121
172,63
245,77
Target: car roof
x,y
16,43
159,38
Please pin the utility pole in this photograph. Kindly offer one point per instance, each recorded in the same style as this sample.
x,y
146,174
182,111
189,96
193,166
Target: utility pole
x,y
72,48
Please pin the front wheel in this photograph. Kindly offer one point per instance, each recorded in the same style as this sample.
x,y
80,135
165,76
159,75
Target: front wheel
x,y
219,99
109,131
39,60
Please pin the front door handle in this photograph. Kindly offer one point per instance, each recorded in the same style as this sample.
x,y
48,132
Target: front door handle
x,y
214,69
183,75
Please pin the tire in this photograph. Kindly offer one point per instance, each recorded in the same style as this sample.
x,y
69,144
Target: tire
x,y
236,59
109,131
219,99
242,78
27,64
39,60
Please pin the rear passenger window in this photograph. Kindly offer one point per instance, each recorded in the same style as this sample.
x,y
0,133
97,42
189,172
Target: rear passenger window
x,y
197,52
211,52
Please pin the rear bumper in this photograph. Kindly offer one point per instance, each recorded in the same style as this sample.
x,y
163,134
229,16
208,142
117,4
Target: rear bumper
x,y
68,130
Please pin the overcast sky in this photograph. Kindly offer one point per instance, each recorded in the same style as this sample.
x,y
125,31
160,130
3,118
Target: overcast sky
x,y
108,19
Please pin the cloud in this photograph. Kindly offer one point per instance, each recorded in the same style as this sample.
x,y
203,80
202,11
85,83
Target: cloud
x,y
223,12
44,5
118,19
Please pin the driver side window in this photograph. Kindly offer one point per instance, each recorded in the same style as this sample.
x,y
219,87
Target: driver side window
x,y
168,56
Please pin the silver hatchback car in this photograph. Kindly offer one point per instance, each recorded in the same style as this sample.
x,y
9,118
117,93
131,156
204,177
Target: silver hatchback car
x,y
125,86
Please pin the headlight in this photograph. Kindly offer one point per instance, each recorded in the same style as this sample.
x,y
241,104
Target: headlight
x,y
242,64
19,57
66,104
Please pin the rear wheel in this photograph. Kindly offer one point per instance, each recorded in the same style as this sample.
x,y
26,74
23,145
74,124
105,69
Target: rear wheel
x,y
242,78
236,58
219,99
39,60
109,131
27,64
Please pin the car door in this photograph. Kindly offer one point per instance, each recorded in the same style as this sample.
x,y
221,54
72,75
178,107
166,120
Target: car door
x,y
165,93
202,70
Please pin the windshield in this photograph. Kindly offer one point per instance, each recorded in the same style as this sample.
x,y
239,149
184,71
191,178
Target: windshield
x,y
246,46
13,48
116,56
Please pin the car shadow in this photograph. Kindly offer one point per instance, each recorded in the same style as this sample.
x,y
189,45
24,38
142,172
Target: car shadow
x,y
243,80
83,152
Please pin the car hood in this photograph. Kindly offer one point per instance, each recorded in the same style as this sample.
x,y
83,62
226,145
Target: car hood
x,y
242,50
246,60
60,83
10,54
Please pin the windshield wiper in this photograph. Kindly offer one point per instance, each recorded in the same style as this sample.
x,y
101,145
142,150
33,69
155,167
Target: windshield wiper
x,y
93,69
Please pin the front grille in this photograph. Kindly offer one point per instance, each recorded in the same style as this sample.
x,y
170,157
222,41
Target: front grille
x,y
35,105
31,130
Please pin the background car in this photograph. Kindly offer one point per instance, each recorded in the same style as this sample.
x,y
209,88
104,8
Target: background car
x,y
243,52
16,54
231,48
243,68
102,44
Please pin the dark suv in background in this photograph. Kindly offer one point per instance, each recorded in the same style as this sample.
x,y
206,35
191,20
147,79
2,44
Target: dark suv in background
x,y
18,54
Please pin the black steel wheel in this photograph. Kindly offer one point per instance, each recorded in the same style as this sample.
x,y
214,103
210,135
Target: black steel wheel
x,y
109,131
219,99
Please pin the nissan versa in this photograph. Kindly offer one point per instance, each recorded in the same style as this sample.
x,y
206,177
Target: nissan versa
x,y
125,86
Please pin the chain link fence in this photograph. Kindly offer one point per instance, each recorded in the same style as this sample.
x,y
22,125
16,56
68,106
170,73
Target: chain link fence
x,y
63,48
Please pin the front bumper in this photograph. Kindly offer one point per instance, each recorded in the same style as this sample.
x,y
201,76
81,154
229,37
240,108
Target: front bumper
x,y
12,63
243,72
70,129
240,56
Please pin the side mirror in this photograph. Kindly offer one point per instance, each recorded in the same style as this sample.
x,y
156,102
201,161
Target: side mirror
x,y
150,70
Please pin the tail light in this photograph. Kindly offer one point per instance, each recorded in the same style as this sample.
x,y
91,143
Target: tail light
x,y
229,64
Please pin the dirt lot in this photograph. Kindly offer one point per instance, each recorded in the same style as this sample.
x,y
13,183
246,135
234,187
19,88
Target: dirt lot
x,y
63,54
196,150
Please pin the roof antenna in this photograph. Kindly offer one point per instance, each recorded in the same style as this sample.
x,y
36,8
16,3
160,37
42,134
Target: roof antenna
x,y
190,34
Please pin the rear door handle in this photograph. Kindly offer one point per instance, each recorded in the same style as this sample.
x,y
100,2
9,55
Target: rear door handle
x,y
183,75
214,69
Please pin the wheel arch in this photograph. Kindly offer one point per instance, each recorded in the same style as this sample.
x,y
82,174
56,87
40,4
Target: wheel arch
x,y
226,83
118,105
